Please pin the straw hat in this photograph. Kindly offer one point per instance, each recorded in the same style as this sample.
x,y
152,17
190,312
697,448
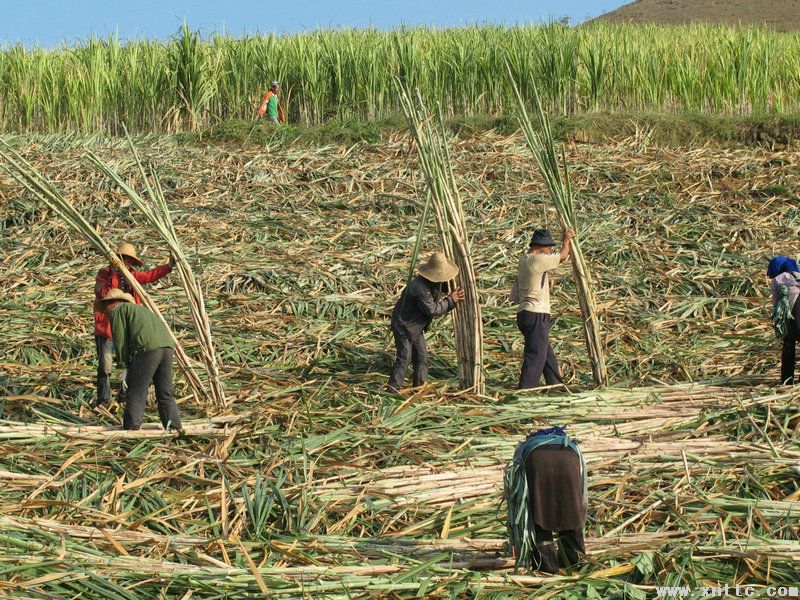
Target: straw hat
x,y
438,268
126,249
116,294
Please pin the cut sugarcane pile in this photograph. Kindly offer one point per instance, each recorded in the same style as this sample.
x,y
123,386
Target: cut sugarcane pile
x,y
27,432
661,492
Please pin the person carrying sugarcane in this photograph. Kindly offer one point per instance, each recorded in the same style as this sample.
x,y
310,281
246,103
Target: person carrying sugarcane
x,y
421,300
546,492
784,275
270,106
531,291
145,347
109,278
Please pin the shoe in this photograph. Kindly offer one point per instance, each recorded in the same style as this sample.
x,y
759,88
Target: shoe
x,y
392,390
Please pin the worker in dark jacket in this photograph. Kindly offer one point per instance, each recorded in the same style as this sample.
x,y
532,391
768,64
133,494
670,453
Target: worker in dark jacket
x,y
421,301
145,347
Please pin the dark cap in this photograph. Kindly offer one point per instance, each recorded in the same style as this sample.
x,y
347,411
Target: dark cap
x,y
542,237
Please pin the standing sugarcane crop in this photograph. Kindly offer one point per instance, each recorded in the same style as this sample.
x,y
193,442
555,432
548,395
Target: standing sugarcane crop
x,y
419,303
146,348
532,292
109,278
784,274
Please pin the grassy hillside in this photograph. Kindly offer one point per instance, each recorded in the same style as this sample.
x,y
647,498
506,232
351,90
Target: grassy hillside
x,y
316,483
190,82
782,15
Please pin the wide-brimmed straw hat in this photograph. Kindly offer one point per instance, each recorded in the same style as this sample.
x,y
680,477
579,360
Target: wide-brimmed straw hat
x,y
438,268
117,295
126,249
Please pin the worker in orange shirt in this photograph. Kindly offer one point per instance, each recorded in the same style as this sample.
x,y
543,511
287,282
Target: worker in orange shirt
x,y
270,105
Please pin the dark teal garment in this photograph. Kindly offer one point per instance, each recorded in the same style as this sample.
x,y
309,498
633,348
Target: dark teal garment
x,y
521,526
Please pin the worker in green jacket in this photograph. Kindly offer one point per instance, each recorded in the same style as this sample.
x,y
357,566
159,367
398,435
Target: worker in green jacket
x,y
146,348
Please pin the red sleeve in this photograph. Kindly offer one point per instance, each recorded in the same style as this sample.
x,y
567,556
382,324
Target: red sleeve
x,y
152,275
102,283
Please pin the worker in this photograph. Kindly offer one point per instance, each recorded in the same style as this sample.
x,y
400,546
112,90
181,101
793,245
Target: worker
x,y
270,105
785,286
145,347
531,291
109,278
546,492
421,301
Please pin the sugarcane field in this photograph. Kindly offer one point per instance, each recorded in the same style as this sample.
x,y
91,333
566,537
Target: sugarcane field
x,y
480,312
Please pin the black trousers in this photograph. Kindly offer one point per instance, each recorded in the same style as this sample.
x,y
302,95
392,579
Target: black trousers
x,y
539,358
105,363
546,554
152,366
414,350
789,352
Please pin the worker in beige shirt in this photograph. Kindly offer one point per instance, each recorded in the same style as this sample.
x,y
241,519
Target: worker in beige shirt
x,y
532,292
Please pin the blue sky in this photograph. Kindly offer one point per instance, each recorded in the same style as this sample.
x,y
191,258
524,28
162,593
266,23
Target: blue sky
x,y
50,22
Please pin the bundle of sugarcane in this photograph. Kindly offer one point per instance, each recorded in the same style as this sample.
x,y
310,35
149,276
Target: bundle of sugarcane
x,y
12,432
157,213
556,177
443,195
43,190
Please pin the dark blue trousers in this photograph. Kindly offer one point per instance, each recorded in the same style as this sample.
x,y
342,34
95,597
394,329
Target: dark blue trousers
x,y
539,358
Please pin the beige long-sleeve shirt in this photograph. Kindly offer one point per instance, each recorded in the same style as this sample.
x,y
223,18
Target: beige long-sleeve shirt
x,y
532,288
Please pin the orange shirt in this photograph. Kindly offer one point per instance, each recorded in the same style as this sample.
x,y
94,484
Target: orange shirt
x,y
265,101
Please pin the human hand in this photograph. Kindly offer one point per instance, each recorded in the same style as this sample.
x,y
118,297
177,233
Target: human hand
x,y
569,234
172,261
458,295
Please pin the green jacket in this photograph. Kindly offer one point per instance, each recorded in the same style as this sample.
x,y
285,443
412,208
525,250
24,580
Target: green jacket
x,y
136,330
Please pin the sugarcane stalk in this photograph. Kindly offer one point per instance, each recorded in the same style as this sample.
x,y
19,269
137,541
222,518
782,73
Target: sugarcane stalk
x,y
556,177
450,220
157,212
41,188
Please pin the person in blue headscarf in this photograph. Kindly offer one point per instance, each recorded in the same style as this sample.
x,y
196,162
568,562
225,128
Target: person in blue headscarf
x,y
785,285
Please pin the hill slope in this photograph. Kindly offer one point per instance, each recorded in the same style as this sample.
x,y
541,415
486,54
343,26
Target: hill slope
x,y
777,14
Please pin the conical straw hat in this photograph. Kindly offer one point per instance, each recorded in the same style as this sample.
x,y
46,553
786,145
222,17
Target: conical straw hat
x,y
438,268
117,294
126,249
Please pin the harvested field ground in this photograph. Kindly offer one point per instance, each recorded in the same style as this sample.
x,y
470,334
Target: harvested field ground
x,y
316,482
